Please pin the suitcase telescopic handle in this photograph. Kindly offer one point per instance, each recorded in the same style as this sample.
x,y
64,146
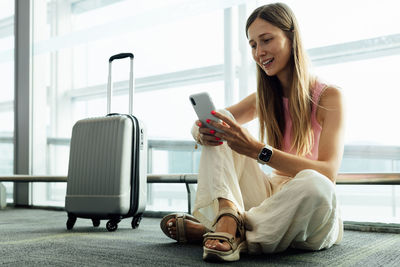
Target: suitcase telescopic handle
x,y
110,84
120,56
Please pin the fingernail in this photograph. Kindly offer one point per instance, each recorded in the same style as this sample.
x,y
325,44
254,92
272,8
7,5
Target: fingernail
x,y
212,132
170,224
199,124
217,138
213,112
208,120
221,143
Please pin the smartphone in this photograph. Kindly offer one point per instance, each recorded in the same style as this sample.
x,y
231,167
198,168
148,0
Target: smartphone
x,y
203,106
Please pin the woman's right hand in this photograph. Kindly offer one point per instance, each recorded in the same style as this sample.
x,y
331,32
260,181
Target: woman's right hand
x,y
207,136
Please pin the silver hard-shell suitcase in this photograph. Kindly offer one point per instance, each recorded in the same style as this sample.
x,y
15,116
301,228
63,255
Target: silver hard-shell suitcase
x,y
107,172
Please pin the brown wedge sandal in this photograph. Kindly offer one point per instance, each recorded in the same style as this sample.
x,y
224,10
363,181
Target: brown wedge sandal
x,y
180,226
238,242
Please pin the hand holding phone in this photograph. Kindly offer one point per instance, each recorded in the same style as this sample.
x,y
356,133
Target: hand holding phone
x,y
203,106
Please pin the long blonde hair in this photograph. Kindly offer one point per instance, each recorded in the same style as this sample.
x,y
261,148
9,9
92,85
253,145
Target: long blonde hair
x,y
269,91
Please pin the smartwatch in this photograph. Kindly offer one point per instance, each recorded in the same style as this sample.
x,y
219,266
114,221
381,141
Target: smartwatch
x,y
265,154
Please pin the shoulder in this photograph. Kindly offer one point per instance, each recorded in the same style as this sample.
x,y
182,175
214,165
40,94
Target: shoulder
x,y
331,97
250,100
331,105
253,96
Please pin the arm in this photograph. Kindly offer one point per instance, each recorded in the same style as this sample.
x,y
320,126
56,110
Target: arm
x,y
330,148
245,110
330,145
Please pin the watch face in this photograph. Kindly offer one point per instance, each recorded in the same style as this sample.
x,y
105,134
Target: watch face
x,y
265,154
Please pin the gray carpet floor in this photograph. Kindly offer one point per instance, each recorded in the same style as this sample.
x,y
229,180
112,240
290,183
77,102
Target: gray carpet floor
x,y
35,237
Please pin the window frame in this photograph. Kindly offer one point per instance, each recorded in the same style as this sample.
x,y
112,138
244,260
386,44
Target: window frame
x,y
228,72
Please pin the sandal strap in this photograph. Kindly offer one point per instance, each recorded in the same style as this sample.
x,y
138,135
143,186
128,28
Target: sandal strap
x,y
181,227
228,212
221,236
236,215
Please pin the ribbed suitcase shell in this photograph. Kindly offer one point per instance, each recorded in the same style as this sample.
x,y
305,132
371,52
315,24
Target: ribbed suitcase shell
x,y
107,169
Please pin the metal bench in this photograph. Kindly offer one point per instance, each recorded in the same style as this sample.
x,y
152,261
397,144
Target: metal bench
x,y
190,179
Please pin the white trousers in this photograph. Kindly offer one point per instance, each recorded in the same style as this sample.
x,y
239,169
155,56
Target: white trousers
x,y
300,212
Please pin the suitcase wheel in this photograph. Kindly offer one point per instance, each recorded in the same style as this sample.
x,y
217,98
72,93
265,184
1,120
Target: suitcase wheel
x,y
96,222
135,221
112,225
71,221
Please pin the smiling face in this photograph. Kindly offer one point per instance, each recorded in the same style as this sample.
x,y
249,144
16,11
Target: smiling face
x,y
271,48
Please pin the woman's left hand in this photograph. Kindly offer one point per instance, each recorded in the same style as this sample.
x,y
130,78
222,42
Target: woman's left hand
x,y
238,138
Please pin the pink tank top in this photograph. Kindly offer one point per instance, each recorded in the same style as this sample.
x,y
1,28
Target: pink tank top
x,y
316,127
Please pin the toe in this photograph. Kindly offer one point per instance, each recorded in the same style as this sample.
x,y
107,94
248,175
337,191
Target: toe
x,y
214,244
172,231
218,245
210,243
223,246
171,222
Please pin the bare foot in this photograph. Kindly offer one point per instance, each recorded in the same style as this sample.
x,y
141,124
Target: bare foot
x,y
225,224
194,230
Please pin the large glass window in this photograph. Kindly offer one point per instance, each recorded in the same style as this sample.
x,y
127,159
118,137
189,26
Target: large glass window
x,y
178,51
180,48
7,92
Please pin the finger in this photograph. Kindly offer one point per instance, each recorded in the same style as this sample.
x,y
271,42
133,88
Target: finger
x,y
210,139
222,136
218,125
212,143
208,131
224,118
198,123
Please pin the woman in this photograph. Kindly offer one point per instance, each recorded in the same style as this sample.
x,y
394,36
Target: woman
x,y
240,208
